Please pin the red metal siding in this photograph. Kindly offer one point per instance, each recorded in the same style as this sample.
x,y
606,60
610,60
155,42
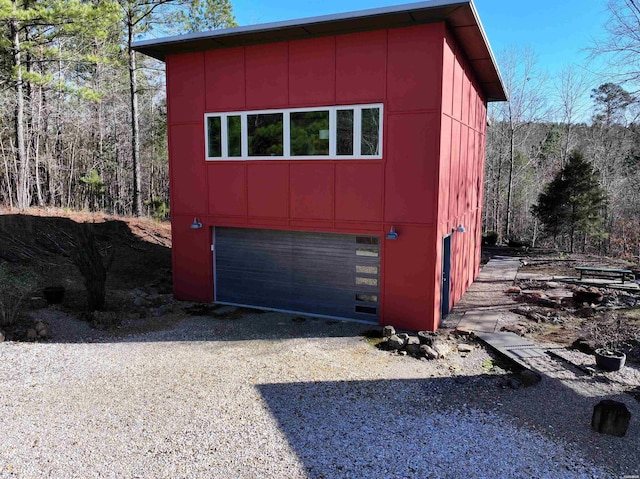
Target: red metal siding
x,y
361,67
267,84
312,72
359,191
268,199
224,79
407,189
461,169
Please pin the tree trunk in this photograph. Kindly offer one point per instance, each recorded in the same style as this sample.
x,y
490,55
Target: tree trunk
x,y
510,184
135,133
21,153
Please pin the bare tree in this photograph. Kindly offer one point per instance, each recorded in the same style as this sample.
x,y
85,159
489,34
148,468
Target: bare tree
x,y
622,46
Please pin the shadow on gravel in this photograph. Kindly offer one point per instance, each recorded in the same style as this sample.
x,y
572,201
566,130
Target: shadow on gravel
x,y
447,428
232,324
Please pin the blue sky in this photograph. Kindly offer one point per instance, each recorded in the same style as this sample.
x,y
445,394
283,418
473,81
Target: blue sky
x,y
558,31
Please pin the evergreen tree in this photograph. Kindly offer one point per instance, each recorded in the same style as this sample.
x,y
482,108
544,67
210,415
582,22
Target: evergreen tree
x,y
572,202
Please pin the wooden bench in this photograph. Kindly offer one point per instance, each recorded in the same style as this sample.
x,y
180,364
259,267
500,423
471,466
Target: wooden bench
x,y
609,273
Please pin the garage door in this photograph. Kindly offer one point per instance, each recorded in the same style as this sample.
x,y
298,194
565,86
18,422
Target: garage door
x,y
319,273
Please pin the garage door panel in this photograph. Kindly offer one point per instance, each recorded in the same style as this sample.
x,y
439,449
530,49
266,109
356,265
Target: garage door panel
x,y
318,273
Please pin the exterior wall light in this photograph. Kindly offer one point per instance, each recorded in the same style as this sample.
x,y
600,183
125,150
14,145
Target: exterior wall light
x,y
196,225
392,234
461,229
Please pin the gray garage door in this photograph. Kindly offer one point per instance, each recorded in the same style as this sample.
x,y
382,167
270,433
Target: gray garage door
x,y
326,274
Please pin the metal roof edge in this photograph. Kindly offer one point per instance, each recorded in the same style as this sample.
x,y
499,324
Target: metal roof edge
x,y
299,22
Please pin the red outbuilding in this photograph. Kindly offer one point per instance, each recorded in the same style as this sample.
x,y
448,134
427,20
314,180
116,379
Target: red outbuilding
x,y
331,166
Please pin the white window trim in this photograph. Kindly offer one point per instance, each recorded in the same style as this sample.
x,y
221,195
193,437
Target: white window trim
x,y
286,129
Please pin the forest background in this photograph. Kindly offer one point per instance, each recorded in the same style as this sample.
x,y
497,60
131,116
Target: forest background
x,y
83,118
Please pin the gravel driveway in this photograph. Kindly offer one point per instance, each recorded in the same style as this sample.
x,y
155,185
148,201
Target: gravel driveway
x,y
267,397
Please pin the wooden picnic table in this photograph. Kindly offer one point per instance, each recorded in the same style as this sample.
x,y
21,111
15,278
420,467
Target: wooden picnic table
x,y
611,273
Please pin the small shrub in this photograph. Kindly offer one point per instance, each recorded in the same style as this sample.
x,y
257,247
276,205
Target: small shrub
x,y
490,238
15,286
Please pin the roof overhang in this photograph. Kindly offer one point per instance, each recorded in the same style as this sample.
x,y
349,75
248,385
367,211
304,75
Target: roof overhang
x,y
460,16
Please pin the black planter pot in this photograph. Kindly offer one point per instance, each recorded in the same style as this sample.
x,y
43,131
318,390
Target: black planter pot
x,y
609,359
53,294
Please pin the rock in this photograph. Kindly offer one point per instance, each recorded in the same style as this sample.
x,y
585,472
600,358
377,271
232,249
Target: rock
x,y
414,350
513,383
140,302
38,302
395,342
388,331
427,337
139,293
465,348
552,284
428,352
584,345
401,352
590,295
44,332
513,290
32,333
413,340
403,336
2,336
40,325
610,417
529,378
518,329
442,348
462,332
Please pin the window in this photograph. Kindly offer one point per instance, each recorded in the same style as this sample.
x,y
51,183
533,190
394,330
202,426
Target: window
x,y
337,132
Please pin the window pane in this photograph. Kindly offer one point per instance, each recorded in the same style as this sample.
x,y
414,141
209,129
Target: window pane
x,y
309,133
234,143
370,144
214,132
345,132
265,134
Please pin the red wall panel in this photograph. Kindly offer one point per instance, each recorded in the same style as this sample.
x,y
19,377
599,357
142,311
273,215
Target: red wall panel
x,y
224,73
268,190
414,68
408,263
227,188
267,75
411,167
188,175
359,191
312,190
312,72
360,67
191,253
185,87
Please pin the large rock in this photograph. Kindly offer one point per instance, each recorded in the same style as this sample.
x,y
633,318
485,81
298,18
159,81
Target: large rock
x,y
414,350
427,337
610,417
395,342
428,352
413,340
443,349
388,331
2,336
590,295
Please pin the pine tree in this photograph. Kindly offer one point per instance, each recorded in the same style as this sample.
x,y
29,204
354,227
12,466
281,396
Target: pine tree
x,y
572,202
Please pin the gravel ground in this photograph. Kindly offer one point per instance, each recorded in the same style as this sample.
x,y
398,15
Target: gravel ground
x,y
264,396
